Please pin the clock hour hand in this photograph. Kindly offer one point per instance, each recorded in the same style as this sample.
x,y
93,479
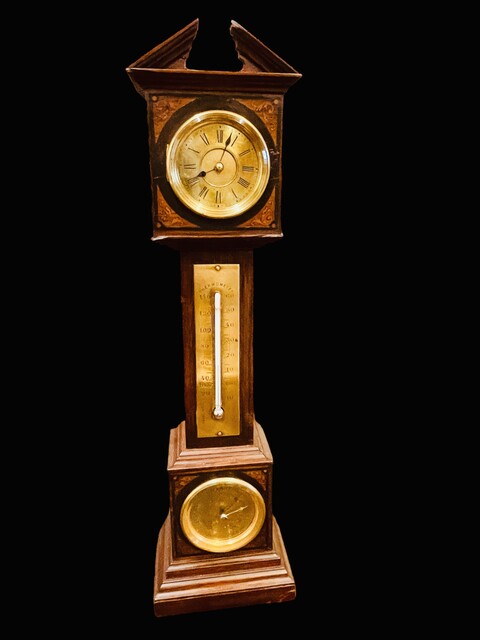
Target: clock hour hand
x,y
202,174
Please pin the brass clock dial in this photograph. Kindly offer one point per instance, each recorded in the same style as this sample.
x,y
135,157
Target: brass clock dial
x,y
218,164
222,514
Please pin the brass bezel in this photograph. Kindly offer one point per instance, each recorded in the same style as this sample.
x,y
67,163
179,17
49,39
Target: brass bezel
x,y
178,182
207,539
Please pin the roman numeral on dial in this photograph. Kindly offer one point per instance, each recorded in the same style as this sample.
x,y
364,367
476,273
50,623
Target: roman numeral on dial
x,y
243,182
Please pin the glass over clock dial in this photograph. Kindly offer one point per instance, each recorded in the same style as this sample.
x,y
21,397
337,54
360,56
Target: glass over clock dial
x,y
218,164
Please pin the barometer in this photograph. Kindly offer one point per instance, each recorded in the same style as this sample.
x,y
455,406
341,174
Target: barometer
x,y
222,514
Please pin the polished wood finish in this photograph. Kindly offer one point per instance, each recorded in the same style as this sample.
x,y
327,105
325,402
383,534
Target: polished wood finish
x,y
164,67
188,579
182,458
245,260
173,93
189,585
190,466
173,222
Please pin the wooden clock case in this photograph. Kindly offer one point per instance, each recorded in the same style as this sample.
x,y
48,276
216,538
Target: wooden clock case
x,y
188,579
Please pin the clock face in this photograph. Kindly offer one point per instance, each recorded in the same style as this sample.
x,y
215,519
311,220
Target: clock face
x,y
222,514
218,164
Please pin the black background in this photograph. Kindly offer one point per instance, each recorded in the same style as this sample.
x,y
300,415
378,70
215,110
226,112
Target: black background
x,y
322,319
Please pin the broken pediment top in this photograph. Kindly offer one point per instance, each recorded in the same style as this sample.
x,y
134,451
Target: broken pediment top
x,y
172,54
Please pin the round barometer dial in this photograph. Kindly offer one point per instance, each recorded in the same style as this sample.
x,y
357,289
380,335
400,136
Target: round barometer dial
x,y
222,514
218,164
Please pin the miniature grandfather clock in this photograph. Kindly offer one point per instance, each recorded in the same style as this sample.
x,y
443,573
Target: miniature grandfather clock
x,y
215,156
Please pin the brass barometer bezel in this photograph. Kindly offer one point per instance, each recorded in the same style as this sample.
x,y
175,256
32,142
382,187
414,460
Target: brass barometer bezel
x,y
222,514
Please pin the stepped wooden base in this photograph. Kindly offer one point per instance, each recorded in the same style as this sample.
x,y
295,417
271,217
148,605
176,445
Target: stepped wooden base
x,y
189,585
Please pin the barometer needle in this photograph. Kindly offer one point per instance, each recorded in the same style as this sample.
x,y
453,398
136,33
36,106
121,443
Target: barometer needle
x,y
225,515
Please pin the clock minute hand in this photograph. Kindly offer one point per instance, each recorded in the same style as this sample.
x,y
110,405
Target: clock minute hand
x,y
229,139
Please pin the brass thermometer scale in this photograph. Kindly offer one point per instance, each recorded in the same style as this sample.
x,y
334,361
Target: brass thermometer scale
x,y
217,345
